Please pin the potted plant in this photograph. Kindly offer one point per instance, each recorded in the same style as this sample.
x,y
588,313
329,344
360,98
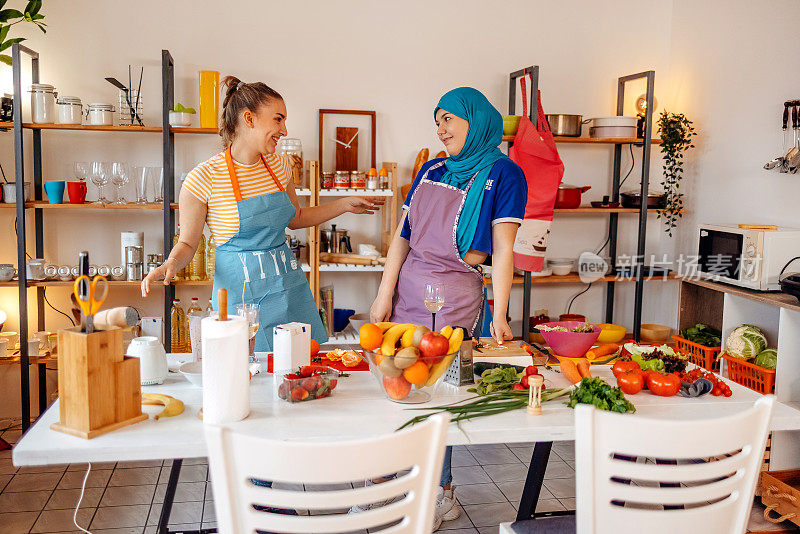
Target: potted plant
x,y
9,17
676,134
181,116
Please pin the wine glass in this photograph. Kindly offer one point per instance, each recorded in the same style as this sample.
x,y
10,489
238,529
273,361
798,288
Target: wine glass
x,y
120,176
100,173
81,170
434,300
141,175
251,313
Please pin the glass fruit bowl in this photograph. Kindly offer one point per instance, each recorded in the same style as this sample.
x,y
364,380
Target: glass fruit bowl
x,y
407,376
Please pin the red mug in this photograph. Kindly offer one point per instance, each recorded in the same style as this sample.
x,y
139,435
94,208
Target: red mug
x,y
76,192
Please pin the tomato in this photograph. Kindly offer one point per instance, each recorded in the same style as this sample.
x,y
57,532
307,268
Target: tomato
x,y
306,370
531,370
517,387
333,383
663,385
621,367
631,382
524,382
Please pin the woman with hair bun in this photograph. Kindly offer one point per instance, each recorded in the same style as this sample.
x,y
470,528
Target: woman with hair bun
x,y
246,197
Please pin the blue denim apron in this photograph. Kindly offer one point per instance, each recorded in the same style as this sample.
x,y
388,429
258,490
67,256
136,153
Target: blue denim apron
x,y
258,254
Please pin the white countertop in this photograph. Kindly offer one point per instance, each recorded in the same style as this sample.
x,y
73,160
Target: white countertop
x,y
358,408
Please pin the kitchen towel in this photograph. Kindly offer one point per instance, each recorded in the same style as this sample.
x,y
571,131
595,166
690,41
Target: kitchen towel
x,y
226,377
534,150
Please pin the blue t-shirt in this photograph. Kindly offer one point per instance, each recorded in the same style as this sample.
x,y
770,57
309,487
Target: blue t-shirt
x,y
504,200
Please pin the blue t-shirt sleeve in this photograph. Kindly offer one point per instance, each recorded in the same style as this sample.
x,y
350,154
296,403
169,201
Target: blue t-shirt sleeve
x,y
405,233
504,201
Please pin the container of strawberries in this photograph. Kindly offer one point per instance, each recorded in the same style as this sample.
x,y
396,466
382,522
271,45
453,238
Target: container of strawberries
x,y
306,383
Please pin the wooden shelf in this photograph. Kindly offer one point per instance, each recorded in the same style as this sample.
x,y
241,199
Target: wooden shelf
x,y
190,130
589,209
573,278
594,140
33,360
41,204
70,283
193,283
92,128
773,298
6,125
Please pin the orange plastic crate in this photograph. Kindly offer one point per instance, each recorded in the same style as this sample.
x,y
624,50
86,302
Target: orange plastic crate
x,y
750,375
705,357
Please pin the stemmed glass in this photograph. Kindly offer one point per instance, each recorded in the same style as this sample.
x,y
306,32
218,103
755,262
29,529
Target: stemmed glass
x,y
81,170
142,177
251,313
120,176
434,300
100,172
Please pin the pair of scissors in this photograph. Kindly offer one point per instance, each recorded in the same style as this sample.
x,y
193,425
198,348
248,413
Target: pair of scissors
x,y
90,296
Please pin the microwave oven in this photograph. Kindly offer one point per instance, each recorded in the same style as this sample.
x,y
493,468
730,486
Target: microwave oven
x,y
746,257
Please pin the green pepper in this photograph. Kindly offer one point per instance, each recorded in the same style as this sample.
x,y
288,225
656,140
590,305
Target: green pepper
x,y
648,365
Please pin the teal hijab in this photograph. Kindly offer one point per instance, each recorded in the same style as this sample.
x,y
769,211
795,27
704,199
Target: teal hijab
x,y
480,152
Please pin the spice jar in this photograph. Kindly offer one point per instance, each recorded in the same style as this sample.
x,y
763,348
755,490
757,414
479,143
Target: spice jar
x,y
100,114
358,180
384,178
342,180
43,103
326,182
153,261
293,150
70,110
373,182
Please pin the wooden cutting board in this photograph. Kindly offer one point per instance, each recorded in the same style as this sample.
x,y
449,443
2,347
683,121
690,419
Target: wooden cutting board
x,y
351,259
492,349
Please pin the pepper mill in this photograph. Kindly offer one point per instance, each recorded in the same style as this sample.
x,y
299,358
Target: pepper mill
x,y
535,394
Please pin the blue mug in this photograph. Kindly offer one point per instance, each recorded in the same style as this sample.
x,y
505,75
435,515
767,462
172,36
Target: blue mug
x,y
341,318
55,191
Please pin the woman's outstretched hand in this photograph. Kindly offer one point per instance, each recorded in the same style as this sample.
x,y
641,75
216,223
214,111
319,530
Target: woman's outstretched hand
x,y
363,205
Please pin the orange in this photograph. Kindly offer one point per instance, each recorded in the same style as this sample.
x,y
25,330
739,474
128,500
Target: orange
x,y
378,358
350,359
314,347
417,374
370,336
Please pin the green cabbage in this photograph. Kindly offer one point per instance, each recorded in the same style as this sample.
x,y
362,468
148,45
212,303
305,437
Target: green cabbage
x,y
767,358
745,342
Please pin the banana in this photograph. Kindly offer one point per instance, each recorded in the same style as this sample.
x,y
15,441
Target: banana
x,y
447,331
408,338
172,406
392,336
455,340
385,326
438,369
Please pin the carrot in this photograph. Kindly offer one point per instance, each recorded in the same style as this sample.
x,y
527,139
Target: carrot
x,y
602,350
569,369
583,367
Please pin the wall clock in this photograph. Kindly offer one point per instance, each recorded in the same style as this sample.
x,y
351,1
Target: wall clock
x,y
347,140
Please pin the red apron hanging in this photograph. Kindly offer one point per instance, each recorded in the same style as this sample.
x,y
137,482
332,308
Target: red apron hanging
x,y
534,150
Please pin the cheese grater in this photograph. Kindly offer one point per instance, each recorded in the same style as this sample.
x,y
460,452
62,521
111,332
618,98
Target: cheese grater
x,y
461,371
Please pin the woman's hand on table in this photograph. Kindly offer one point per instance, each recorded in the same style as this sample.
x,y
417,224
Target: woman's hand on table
x,y
501,331
362,205
381,309
166,272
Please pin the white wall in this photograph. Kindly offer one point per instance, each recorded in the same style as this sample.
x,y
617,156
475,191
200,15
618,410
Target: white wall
x,y
717,61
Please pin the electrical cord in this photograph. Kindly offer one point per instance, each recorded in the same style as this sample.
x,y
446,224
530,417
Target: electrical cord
x,y
633,164
80,499
569,306
44,294
4,174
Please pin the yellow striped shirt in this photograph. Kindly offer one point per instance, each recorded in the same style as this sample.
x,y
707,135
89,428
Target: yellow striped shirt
x,y
211,183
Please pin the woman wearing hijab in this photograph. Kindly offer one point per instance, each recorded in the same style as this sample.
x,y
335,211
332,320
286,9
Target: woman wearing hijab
x,y
460,210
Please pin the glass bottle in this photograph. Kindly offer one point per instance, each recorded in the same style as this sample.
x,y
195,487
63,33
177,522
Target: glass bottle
x,y
177,318
194,307
211,257
197,267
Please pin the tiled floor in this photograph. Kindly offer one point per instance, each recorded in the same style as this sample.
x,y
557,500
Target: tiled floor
x,y
125,498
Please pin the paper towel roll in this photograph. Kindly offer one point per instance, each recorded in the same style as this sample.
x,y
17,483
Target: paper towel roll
x,y
226,378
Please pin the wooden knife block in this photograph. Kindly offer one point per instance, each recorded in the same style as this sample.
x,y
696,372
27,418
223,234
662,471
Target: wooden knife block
x,y
99,388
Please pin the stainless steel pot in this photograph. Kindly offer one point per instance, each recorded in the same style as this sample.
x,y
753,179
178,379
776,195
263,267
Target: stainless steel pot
x,y
565,125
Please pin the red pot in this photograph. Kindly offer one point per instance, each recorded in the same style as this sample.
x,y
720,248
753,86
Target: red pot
x,y
569,196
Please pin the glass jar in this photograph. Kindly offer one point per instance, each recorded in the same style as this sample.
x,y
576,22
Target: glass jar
x,y
100,114
326,181
383,174
373,182
358,180
342,180
293,150
43,103
130,112
70,110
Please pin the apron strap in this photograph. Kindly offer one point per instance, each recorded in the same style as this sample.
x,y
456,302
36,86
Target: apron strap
x,y
237,193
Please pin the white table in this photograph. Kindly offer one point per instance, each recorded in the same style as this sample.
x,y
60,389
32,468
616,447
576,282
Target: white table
x,y
357,409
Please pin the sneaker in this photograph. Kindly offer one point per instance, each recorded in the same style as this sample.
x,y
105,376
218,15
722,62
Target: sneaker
x,y
364,507
447,505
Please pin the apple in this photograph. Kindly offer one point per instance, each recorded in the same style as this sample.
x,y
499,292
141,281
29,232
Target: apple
x,y
433,345
419,332
396,387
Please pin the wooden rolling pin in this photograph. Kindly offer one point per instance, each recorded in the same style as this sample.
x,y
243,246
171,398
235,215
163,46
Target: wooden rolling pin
x,y
352,259
121,317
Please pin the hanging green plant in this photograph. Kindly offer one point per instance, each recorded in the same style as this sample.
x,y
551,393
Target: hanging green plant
x,y
676,134
9,17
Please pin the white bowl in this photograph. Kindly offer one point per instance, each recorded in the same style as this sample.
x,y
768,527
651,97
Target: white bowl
x,y
193,372
561,270
617,120
560,261
358,320
180,119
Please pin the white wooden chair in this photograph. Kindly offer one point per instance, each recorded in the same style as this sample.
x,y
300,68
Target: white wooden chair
x,y
714,496
235,459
